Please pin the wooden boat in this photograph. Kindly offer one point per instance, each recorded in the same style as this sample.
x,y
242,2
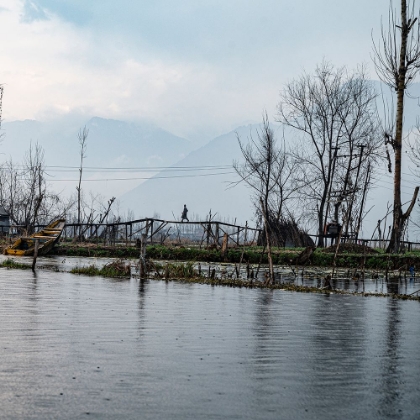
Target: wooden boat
x,y
47,238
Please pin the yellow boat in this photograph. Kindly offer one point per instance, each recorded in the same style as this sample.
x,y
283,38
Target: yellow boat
x,y
47,238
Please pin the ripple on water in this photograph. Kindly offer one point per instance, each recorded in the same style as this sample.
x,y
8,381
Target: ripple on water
x,y
72,345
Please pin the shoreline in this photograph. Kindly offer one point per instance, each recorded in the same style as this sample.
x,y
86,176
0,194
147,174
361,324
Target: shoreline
x,y
243,255
159,272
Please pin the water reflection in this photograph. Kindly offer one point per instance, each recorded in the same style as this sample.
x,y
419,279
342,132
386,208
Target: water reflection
x,y
335,353
390,403
393,286
142,296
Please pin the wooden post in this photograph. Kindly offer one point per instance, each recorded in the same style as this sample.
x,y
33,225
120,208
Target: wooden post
x,y
151,231
208,234
35,254
246,232
147,227
217,234
131,232
143,269
224,245
359,220
364,242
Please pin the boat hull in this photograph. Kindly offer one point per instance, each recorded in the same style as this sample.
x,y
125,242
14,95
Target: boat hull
x,y
47,238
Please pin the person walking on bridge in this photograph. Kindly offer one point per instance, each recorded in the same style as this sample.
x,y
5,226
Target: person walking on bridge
x,y
184,214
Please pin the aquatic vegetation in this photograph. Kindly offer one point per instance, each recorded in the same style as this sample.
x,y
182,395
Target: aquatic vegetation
x,y
10,263
115,269
175,270
90,270
289,287
249,254
90,250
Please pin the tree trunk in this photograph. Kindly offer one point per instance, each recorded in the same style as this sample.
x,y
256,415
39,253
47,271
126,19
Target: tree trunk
x,y
267,237
398,222
321,221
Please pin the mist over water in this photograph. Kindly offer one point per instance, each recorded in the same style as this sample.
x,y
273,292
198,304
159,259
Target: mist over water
x,y
75,346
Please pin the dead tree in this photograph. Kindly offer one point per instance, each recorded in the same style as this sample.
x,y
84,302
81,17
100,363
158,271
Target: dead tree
x,y
103,216
25,193
329,113
82,136
397,61
260,172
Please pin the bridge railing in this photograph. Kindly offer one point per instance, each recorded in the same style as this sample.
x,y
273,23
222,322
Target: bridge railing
x,y
158,231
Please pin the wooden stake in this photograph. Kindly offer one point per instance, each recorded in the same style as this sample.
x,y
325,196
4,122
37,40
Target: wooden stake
x,y
35,254
246,233
143,270
224,245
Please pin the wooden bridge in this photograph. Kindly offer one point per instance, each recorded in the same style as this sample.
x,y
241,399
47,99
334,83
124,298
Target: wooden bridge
x,y
158,231
209,233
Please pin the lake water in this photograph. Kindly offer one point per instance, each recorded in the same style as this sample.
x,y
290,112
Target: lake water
x,y
81,347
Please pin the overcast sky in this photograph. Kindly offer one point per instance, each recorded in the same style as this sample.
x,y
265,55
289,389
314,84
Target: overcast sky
x,y
194,67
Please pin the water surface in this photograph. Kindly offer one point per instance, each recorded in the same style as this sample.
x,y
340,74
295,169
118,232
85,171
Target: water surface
x,y
77,347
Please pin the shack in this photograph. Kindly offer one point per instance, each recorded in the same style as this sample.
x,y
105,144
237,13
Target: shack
x,y
4,221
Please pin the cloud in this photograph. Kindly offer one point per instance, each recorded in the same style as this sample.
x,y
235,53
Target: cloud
x,y
69,11
53,68
187,66
33,12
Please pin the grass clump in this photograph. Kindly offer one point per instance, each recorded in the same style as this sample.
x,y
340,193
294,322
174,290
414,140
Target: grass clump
x,y
9,263
90,270
180,270
115,269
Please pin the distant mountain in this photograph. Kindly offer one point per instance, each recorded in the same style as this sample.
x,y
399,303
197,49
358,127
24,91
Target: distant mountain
x,y
132,144
110,142
201,189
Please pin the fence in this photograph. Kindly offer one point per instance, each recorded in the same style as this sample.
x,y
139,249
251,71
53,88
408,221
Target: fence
x,y
208,233
406,246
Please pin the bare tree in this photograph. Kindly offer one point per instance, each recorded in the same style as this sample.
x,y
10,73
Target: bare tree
x,y
331,112
264,170
25,193
82,136
397,61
